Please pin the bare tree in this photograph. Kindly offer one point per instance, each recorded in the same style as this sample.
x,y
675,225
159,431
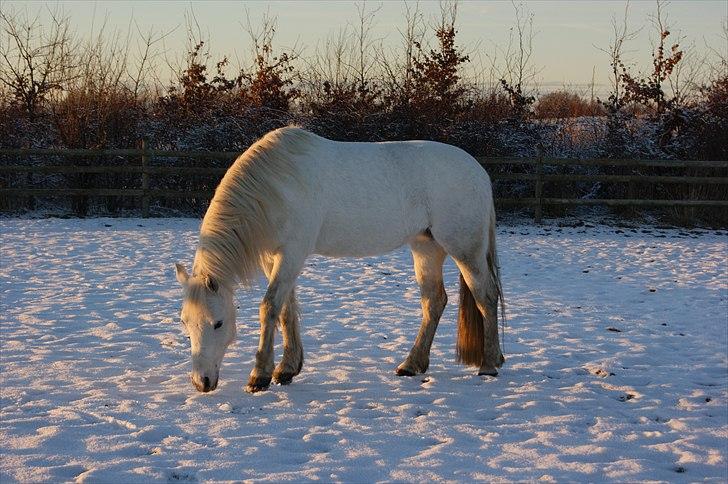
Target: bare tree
x,y
330,63
342,77
364,42
345,59
271,78
621,34
687,75
102,61
517,70
649,90
717,59
398,69
95,93
147,53
36,61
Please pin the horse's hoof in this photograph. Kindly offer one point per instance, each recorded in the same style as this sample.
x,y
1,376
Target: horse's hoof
x,y
251,388
256,385
283,378
405,372
492,372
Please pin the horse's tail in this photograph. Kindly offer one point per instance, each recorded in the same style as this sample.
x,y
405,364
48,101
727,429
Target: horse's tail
x,y
472,325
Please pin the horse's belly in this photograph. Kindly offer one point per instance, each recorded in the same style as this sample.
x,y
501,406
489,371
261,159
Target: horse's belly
x,y
361,241
356,250
351,234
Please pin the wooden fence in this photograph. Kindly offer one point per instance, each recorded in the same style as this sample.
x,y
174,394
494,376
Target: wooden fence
x,y
139,161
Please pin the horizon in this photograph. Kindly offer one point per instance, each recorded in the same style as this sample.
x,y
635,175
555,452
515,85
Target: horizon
x,y
568,36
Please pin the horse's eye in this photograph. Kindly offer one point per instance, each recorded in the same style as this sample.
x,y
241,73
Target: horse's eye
x,y
218,324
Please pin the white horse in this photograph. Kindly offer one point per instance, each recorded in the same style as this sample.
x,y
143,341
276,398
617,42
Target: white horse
x,y
293,194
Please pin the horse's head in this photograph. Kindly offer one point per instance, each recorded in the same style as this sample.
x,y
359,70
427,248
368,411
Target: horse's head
x,y
208,314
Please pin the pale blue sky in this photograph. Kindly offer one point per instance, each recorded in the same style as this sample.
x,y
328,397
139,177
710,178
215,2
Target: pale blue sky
x,y
566,48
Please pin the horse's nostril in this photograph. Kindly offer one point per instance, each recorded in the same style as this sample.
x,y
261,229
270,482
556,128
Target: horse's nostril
x,y
206,383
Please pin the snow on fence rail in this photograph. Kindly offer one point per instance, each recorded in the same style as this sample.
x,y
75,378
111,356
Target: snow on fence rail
x,y
538,177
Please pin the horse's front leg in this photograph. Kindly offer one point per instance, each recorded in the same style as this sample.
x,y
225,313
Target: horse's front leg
x,y
292,361
282,280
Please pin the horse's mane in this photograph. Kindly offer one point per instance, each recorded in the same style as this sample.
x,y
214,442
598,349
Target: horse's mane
x,y
237,228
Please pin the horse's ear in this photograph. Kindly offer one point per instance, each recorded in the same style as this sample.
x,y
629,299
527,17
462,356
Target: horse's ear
x,y
182,275
211,284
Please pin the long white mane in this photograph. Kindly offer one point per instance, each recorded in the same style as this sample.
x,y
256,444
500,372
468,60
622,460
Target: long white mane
x,y
236,228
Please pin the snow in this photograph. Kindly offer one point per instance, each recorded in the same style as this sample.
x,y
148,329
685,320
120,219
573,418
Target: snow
x,y
616,347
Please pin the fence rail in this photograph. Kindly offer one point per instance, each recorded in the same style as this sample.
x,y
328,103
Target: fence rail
x,y
145,156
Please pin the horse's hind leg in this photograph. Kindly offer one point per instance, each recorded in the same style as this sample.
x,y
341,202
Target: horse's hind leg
x,y
428,257
481,291
292,361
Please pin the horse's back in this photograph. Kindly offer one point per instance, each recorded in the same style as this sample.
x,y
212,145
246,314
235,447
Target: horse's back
x,y
369,198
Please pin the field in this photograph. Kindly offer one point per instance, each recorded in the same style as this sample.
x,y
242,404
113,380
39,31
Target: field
x,y
616,347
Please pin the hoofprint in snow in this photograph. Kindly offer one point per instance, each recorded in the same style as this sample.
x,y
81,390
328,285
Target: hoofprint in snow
x,y
616,364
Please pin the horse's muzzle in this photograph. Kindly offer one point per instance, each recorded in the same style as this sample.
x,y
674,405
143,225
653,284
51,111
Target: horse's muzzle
x,y
205,385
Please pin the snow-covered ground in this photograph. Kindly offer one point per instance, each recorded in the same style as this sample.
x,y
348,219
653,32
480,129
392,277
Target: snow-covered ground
x,y
616,367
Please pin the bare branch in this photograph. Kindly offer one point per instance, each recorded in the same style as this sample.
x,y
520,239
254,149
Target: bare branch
x,y
35,61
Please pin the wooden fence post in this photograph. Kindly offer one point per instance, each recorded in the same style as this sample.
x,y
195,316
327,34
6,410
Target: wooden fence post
x,y
631,195
539,188
145,179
